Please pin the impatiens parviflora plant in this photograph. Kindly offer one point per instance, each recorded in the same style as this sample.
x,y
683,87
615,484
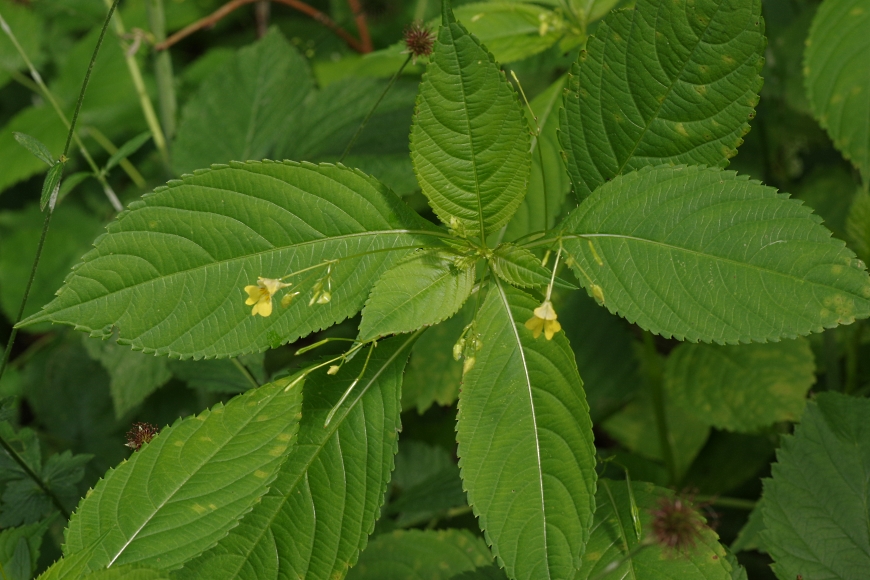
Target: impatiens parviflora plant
x,y
663,236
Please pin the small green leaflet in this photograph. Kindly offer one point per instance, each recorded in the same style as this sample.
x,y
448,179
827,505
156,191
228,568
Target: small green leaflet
x,y
815,505
525,442
667,82
51,187
469,140
322,507
613,538
424,289
705,254
170,273
837,75
741,388
35,146
127,149
139,510
518,266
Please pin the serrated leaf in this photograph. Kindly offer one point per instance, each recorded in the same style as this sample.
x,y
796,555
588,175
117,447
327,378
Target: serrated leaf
x,y
421,290
519,266
269,81
549,183
704,254
741,388
666,83
134,375
181,291
604,350
320,510
36,147
613,538
512,30
749,537
127,149
19,550
858,225
51,186
421,555
489,573
127,572
469,141
837,76
178,485
814,506
329,118
525,442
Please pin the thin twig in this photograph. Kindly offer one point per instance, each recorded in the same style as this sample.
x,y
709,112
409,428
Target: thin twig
x,y
372,110
3,364
359,17
218,14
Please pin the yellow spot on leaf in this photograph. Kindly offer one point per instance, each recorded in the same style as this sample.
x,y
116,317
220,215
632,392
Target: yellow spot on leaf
x,y
278,450
261,474
284,437
681,130
199,509
261,418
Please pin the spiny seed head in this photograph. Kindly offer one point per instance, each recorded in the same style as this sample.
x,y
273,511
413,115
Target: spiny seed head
x,y
140,434
676,524
419,40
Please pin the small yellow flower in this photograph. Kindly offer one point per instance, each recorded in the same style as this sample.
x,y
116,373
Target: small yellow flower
x,y
544,320
260,296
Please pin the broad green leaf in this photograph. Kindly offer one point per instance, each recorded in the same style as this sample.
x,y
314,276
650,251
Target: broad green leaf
x,y
71,567
634,426
549,183
512,30
749,537
320,510
269,81
815,505
423,289
837,73
525,442
433,376
421,555
329,118
604,351
829,190
469,141
614,537
19,550
127,149
666,83
170,284
704,254
178,486
134,375
738,572
69,237
489,573
741,388
36,147
858,225
127,572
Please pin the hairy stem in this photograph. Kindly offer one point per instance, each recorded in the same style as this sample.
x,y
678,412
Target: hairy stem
x,y
374,107
5,444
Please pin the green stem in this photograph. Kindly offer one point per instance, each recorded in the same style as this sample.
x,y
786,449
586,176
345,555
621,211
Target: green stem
x,y
852,358
47,94
657,393
244,370
374,107
163,69
110,148
141,91
7,352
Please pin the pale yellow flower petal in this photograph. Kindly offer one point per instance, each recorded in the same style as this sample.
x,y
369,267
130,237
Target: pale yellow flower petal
x,y
536,325
551,327
253,294
263,307
545,311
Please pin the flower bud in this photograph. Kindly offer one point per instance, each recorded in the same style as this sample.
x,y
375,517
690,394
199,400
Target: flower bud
x,y
333,370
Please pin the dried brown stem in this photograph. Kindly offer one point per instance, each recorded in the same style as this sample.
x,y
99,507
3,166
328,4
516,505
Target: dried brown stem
x,y
221,12
362,28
